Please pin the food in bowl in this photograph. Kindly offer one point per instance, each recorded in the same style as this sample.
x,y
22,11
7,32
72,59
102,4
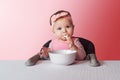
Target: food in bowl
x,y
63,57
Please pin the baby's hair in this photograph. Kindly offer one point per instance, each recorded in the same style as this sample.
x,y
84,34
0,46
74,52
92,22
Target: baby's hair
x,y
58,12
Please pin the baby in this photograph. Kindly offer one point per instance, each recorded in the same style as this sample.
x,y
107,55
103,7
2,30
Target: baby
x,y
63,29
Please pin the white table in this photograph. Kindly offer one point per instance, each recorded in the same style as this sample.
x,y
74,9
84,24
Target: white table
x,y
45,70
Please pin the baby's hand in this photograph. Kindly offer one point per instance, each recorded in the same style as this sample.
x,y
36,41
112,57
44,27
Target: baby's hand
x,y
71,43
44,52
69,40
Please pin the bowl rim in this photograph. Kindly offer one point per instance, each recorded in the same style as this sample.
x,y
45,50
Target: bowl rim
x,y
59,51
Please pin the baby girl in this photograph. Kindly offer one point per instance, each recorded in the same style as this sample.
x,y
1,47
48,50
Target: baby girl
x,y
63,29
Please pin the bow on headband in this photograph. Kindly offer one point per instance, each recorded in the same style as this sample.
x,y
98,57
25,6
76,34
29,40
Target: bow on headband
x,y
57,16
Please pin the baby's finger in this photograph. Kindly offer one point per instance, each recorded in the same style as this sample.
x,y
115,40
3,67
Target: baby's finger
x,y
66,36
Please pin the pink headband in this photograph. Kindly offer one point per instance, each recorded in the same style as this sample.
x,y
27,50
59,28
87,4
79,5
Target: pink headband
x,y
55,17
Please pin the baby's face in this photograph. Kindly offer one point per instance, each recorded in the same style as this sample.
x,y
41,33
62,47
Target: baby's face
x,y
63,27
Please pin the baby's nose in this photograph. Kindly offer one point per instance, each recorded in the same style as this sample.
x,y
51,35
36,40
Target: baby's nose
x,y
64,30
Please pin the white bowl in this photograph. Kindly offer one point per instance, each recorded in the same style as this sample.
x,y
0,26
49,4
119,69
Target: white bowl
x,y
63,57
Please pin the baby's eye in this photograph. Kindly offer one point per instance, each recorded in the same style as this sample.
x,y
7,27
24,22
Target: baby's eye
x,y
59,28
67,26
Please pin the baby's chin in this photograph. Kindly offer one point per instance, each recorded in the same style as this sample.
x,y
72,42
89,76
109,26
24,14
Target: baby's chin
x,y
63,39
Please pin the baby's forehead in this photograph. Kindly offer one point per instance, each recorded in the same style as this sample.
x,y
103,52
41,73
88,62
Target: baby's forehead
x,y
64,21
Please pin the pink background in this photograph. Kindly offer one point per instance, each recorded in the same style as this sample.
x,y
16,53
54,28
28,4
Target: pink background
x,y
24,25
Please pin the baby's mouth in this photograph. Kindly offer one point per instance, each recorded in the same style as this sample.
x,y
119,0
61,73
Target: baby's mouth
x,y
65,37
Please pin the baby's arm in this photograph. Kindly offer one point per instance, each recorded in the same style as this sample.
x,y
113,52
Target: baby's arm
x,y
76,45
34,59
70,42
